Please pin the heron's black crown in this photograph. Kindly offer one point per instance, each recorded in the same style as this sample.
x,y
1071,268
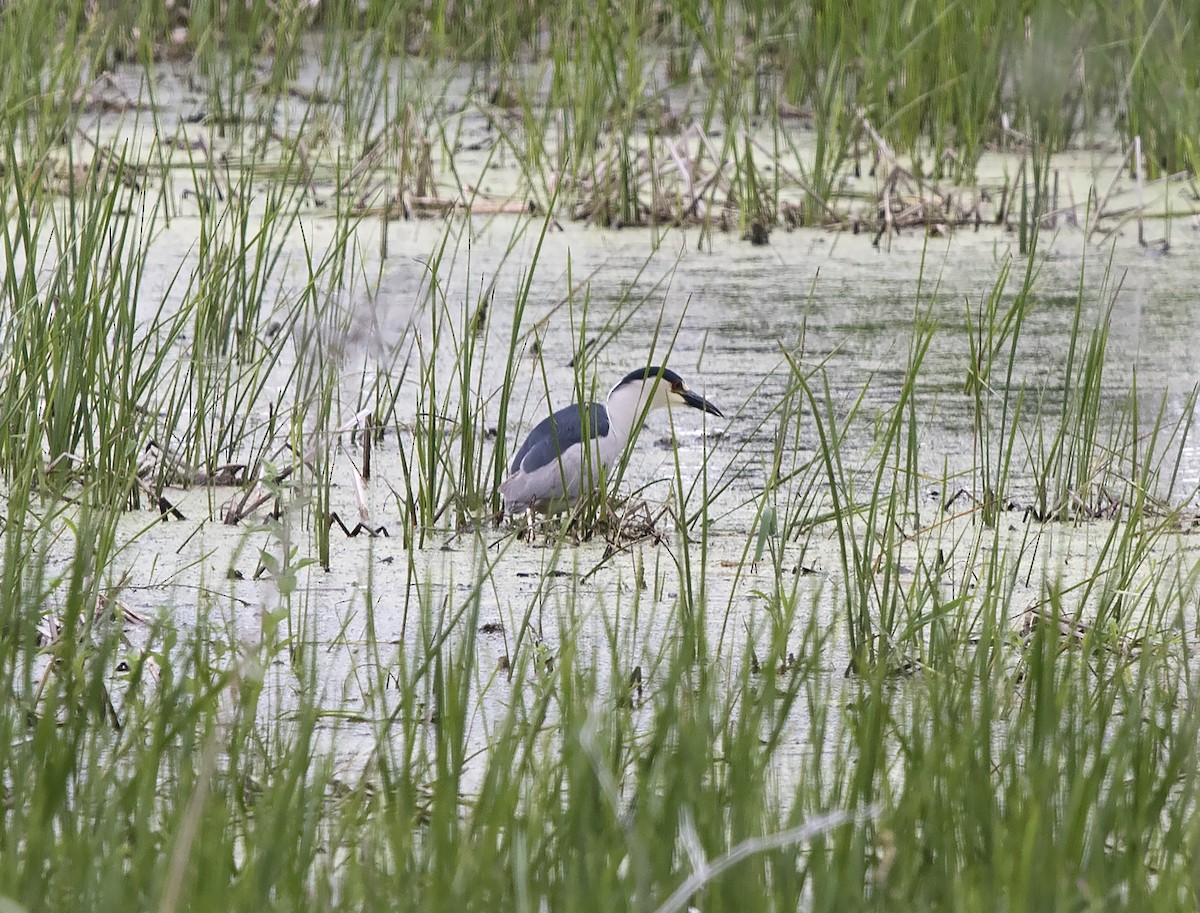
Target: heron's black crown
x,y
657,371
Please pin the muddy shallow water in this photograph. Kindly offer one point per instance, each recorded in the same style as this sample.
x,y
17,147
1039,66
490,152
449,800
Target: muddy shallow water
x,y
834,299
726,312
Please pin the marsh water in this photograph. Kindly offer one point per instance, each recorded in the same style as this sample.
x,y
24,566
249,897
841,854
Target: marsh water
x,y
832,300
725,315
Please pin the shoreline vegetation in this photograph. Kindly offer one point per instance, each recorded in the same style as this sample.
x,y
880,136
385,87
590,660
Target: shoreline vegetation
x,y
263,643
742,117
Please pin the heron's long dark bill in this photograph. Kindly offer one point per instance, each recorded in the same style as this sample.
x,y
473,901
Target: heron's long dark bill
x,y
696,401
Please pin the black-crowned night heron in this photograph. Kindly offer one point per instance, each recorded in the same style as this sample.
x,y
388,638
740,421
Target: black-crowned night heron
x,y
564,456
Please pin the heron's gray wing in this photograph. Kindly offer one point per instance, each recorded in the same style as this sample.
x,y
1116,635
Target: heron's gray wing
x,y
556,434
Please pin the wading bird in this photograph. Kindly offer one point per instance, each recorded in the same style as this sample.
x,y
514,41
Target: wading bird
x,y
562,459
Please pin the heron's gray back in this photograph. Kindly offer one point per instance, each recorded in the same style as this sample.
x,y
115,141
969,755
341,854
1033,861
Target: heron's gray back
x,y
546,472
556,434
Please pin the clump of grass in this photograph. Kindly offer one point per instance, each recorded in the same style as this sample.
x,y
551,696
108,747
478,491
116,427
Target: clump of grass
x,y
80,368
449,472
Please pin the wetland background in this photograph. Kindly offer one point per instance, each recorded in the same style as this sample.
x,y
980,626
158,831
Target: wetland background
x,y
911,628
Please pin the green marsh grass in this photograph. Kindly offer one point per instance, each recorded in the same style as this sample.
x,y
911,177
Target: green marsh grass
x,y
1015,733
942,83
1030,768
870,573
79,369
448,470
1038,771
